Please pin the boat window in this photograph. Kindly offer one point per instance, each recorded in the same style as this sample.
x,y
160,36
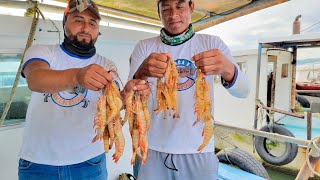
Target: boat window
x,y
9,64
284,71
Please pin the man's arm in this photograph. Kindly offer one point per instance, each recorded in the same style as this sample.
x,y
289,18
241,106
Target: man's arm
x,y
42,79
215,62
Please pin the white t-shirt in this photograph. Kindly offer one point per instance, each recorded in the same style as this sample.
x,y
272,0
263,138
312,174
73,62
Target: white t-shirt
x,y
178,136
59,127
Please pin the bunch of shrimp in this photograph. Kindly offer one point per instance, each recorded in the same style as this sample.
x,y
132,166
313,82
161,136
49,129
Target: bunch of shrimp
x,y
138,116
107,121
203,105
167,91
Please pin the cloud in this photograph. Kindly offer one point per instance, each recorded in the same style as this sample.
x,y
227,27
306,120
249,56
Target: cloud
x,y
244,32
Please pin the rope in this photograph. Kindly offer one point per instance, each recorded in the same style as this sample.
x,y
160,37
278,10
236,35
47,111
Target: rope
x,y
223,138
29,43
315,146
261,109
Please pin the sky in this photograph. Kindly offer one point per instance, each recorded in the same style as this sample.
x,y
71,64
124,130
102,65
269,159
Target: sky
x,y
243,33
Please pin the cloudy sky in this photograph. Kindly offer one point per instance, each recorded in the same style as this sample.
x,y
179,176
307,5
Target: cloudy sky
x,y
243,33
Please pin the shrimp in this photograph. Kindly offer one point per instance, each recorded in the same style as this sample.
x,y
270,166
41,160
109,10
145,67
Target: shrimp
x,y
167,91
111,133
146,111
119,140
203,106
207,134
144,149
106,141
128,103
100,118
135,146
112,95
175,102
140,121
139,126
107,121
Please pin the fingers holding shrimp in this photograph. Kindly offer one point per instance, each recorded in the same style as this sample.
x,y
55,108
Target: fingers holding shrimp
x,y
142,86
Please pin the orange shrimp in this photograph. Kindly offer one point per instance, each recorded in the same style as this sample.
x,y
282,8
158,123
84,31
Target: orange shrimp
x,y
167,91
203,106
144,148
112,102
119,140
135,146
175,102
207,134
129,112
100,118
146,111
141,123
139,127
106,141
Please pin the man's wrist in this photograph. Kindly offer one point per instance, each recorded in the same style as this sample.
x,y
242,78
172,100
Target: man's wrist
x,y
139,75
229,75
75,81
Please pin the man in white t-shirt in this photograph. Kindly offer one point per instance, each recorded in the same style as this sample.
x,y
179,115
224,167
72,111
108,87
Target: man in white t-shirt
x,y
65,81
173,142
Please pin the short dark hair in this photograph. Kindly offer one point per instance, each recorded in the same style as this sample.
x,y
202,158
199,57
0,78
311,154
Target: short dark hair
x,y
190,2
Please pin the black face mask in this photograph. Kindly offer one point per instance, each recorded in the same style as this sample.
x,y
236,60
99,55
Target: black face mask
x,y
76,47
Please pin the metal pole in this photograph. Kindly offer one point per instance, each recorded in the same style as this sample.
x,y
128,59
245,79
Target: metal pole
x,y
293,79
272,136
258,83
309,125
309,91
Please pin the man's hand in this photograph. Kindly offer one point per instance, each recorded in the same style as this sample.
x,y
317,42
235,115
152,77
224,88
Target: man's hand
x,y
213,62
93,77
141,86
154,66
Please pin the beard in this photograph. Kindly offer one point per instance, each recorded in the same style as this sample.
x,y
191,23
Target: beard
x,y
82,44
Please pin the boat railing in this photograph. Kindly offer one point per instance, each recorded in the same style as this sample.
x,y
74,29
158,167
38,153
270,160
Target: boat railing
x,y
269,135
309,91
314,108
272,109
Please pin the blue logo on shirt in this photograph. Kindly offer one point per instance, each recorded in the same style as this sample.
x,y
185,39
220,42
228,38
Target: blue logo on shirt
x,y
187,74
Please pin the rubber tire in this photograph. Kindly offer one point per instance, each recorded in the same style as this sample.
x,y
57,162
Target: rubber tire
x,y
243,160
303,101
290,152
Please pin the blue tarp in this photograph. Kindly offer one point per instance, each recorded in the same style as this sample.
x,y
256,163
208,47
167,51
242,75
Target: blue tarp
x,y
227,172
298,126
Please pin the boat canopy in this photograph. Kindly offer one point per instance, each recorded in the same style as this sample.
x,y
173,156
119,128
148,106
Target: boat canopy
x,y
144,13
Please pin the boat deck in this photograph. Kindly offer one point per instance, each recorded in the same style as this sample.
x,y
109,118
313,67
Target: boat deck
x,y
299,126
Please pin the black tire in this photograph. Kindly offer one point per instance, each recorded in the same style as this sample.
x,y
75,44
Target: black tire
x,y
243,160
290,153
303,101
